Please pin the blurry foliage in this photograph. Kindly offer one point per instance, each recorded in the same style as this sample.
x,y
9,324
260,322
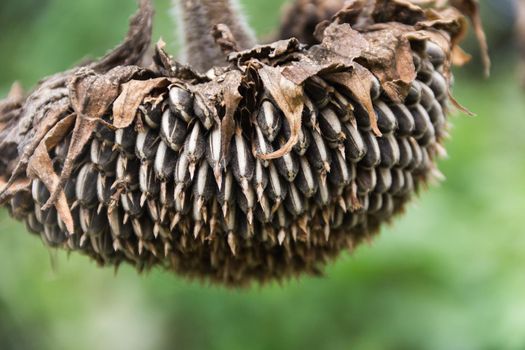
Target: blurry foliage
x,y
448,275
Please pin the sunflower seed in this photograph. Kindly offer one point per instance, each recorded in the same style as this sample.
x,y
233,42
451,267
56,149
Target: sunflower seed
x,y
214,154
39,192
366,180
165,161
287,165
355,148
194,147
103,155
414,94
405,120
149,183
104,191
318,154
125,140
405,152
306,180
331,126
435,54
425,72
422,121
294,202
203,112
242,161
277,189
269,119
340,174
146,145
173,130
262,145
386,120
439,86
373,154
85,185
181,103
389,150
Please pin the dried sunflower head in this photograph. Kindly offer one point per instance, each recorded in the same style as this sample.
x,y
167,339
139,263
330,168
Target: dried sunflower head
x,y
265,167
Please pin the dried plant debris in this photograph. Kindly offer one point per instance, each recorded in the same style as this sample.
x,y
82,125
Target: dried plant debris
x,y
260,170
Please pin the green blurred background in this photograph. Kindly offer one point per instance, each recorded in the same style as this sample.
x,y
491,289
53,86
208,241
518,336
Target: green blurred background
x,y
448,275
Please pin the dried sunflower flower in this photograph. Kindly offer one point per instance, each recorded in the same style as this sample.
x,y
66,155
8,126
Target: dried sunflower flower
x,y
265,166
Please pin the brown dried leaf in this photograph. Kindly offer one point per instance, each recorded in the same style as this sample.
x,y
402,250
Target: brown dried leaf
x,y
231,99
268,52
358,83
389,57
459,57
133,93
16,187
470,8
41,166
91,95
289,97
169,68
51,116
344,41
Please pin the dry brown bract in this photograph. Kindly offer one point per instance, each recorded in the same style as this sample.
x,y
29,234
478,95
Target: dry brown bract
x,y
261,169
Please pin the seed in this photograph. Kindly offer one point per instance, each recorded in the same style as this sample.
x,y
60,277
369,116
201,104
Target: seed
x,y
213,153
242,161
125,140
165,161
439,86
104,191
87,181
131,203
405,120
386,120
148,181
277,189
262,145
318,154
405,152
355,148
366,180
294,201
181,103
373,154
269,119
146,145
425,72
194,147
421,120
127,172
173,130
331,126
435,54
340,174
39,192
202,112
318,91
384,180
306,181
103,156
260,178
288,165
389,150
92,222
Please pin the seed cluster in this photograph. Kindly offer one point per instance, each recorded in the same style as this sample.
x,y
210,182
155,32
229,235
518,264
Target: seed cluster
x,y
158,192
